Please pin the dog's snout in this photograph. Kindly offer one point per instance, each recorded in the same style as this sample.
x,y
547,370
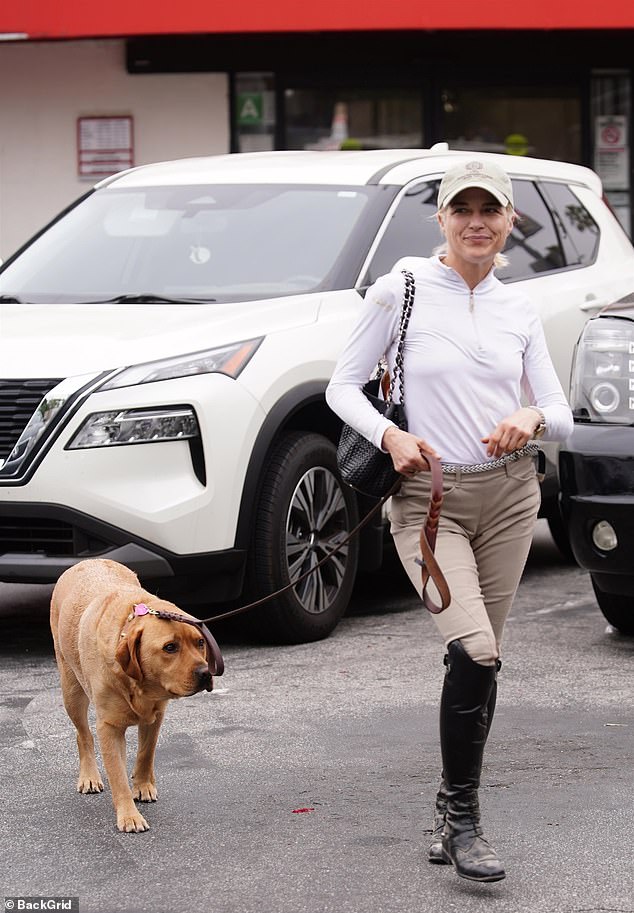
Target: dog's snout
x,y
204,678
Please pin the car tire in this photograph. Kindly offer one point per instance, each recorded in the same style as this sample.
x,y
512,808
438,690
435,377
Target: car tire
x,y
559,532
303,509
618,610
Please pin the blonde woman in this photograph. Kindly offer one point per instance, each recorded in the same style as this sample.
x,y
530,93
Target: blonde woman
x,y
473,348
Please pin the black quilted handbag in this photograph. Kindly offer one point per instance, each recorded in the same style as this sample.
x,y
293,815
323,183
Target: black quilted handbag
x,y
361,464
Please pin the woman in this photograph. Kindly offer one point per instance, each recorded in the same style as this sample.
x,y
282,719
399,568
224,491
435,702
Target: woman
x,y
473,347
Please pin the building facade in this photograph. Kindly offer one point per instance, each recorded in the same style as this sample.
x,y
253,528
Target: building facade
x,y
90,91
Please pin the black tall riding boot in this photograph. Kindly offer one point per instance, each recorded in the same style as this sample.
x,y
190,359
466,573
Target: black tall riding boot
x,y
466,692
440,808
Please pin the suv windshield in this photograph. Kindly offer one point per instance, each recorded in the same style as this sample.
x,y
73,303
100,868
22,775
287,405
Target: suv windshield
x,y
200,243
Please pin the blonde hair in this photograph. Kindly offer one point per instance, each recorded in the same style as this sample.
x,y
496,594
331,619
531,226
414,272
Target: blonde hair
x,y
500,260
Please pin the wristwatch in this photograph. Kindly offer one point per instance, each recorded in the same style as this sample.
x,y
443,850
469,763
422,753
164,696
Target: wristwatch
x,y
539,430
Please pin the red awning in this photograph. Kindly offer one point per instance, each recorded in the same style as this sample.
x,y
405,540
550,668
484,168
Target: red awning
x,y
82,19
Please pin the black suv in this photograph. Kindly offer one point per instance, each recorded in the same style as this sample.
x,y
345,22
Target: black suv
x,y
597,462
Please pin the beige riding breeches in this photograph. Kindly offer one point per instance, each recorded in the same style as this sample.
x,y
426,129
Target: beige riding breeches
x,y
484,536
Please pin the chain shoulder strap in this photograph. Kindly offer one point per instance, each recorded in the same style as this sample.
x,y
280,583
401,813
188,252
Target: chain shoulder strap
x,y
398,375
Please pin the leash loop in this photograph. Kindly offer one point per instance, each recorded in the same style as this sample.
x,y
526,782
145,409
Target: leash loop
x,y
214,649
430,569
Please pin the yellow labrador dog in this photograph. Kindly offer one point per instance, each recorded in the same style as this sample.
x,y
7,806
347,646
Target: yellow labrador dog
x,y
126,651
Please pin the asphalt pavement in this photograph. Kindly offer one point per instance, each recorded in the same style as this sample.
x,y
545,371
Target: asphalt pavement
x,y
304,783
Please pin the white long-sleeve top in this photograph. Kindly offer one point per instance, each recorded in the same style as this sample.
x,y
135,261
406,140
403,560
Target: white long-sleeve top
x,y
468,357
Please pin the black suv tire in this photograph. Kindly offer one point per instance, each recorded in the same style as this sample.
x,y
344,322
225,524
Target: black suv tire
x,y
618,610
303,511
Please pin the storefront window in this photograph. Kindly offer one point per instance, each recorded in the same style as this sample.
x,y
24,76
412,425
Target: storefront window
x,y
254,106
611,119
329,118
541,122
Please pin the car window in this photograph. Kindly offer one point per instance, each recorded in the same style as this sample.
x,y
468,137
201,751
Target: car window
x,y
220,243
579,232
533,247
412,230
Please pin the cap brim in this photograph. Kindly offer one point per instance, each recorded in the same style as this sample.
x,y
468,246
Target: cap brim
x,y
483,185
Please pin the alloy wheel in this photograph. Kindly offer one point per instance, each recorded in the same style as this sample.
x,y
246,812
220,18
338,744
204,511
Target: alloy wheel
x,y
317,522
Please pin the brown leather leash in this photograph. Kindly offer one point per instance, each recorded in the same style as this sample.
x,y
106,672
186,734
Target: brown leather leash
x,y
429,565
214,650
430,569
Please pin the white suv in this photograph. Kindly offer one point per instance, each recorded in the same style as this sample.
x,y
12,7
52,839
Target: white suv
x,y
167,340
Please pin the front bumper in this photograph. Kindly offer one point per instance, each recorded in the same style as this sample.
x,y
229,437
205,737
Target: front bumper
x,y
596,467
38,542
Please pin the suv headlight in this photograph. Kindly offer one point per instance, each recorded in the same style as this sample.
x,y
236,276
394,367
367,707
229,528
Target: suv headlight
x,y
230,360
602,387
166,423
136,426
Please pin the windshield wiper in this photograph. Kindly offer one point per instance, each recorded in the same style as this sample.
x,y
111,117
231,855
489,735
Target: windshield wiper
x,y
10,299
149,298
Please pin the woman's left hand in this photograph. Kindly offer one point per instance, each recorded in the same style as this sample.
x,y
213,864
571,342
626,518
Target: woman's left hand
x,y
512,432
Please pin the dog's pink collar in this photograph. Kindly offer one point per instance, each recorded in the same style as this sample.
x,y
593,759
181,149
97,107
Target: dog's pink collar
x,y
140,608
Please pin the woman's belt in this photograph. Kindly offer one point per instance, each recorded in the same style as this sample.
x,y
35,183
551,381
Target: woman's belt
x,y
530,449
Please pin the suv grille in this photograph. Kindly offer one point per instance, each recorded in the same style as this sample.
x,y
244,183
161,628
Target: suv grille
x,y
27,536
47,536
18,401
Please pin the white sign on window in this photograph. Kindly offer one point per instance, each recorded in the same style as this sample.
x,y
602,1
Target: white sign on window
x,y
612,152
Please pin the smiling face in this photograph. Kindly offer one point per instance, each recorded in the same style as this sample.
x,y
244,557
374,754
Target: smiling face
x,y
476,227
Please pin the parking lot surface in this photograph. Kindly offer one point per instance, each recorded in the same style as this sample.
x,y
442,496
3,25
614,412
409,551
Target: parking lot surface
x,y
304,783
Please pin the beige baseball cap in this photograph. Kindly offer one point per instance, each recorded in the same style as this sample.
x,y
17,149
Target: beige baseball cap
x,y
476,173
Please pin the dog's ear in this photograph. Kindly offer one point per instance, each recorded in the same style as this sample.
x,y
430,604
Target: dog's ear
x,y
127,654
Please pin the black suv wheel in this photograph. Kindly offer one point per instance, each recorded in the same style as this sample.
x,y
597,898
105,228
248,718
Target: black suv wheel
x,y
618,610
304,510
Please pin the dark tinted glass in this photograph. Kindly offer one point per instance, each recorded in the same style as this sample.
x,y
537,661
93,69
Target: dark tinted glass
x,y
411,232
533,246
579,231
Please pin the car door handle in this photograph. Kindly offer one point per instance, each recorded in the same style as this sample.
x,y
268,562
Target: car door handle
x,y
592,304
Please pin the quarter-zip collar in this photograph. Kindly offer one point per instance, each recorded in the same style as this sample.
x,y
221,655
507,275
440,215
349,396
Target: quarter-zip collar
x,y
449,273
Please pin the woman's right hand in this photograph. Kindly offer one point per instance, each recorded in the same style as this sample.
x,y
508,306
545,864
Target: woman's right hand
x,y
407,451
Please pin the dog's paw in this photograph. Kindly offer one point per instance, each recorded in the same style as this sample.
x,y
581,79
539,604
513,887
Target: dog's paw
x,y
132,823
145,792
89,784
